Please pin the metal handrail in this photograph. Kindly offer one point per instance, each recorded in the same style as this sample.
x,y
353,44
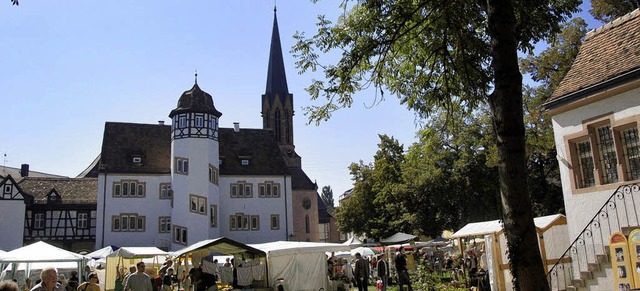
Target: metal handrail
x,y
580,242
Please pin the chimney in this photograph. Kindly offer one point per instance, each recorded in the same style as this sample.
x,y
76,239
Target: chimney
x,y
161,122
24,170
236,126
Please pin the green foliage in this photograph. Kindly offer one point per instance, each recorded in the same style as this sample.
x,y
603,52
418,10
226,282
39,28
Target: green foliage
x,y
607,10
354,213
425,279
327,196
440,55
548,69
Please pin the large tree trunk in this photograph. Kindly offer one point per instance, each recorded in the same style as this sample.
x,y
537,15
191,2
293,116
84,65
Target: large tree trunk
x,y
506,107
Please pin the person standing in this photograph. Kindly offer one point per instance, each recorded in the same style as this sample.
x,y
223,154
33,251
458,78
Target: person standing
x,y
91,285
361,272
119,278
383,271
138,281
347,271
49,281
401,269
132,270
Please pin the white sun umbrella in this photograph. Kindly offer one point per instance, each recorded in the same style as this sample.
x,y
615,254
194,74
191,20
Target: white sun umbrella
x,y
364,251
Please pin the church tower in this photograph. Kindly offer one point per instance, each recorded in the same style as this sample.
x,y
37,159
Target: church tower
x,y
277,102
195,154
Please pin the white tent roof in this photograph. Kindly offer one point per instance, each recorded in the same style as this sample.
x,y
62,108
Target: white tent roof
x,y
101,253
495,226
281,247
353,241
137,252
478,228
398,238
222,245
40,252
544,222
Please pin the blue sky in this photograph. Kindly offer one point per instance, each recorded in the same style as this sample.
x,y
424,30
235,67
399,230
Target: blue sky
x,y
68,67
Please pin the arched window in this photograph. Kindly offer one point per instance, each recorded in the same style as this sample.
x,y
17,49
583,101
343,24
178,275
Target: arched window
x,y
306,223
277,126
287,129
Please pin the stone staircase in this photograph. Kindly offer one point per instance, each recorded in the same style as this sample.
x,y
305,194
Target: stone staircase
x,y
586,264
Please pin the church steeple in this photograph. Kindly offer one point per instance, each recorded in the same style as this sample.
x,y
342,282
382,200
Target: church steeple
x,y
276,77
277,102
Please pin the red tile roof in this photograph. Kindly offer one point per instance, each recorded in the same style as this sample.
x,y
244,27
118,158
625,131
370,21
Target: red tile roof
x,y
608,52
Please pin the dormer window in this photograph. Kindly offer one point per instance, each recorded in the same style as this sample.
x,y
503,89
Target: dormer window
x,y
245,162
137,160
54,197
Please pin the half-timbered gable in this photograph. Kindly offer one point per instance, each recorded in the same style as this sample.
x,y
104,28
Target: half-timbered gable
x,y
62,211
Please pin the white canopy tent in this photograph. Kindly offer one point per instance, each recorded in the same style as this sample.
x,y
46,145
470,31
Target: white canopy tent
x,y
99,256
553,240
37,256
398,238
303,265
353,242
126,256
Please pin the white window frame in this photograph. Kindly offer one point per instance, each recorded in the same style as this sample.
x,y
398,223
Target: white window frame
x,y
213,174
255,222
199,121
164,224
82,220
128,222
165,190
274,221
180,235
182,166
198,204
213,215
39,220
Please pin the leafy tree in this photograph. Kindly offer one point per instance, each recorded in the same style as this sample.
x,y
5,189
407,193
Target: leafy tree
x,y
448,174
355,212
433,54
327,196
548,69
607,10
377,199
15,2
390,209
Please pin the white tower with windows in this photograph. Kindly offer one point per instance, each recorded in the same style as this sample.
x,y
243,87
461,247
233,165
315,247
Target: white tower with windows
x,y
194,168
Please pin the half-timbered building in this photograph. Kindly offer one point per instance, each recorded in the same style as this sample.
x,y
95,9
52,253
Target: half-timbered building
x,y
43,207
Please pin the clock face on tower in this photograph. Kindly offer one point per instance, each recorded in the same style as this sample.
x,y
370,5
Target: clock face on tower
x,y
306,203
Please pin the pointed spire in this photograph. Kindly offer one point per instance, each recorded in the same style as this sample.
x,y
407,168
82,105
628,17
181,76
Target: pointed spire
x,y
276,77
196,77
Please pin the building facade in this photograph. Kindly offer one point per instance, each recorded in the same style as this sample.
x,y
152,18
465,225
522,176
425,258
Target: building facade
x,y
43,207
595,112
173,185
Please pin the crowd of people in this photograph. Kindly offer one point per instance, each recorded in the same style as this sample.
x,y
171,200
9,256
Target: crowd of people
x,y
381,270
360,272
50,280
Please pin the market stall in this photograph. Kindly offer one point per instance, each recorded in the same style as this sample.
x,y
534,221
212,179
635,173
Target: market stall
x,y
488,237
302,265
249,261
27,261
127,256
